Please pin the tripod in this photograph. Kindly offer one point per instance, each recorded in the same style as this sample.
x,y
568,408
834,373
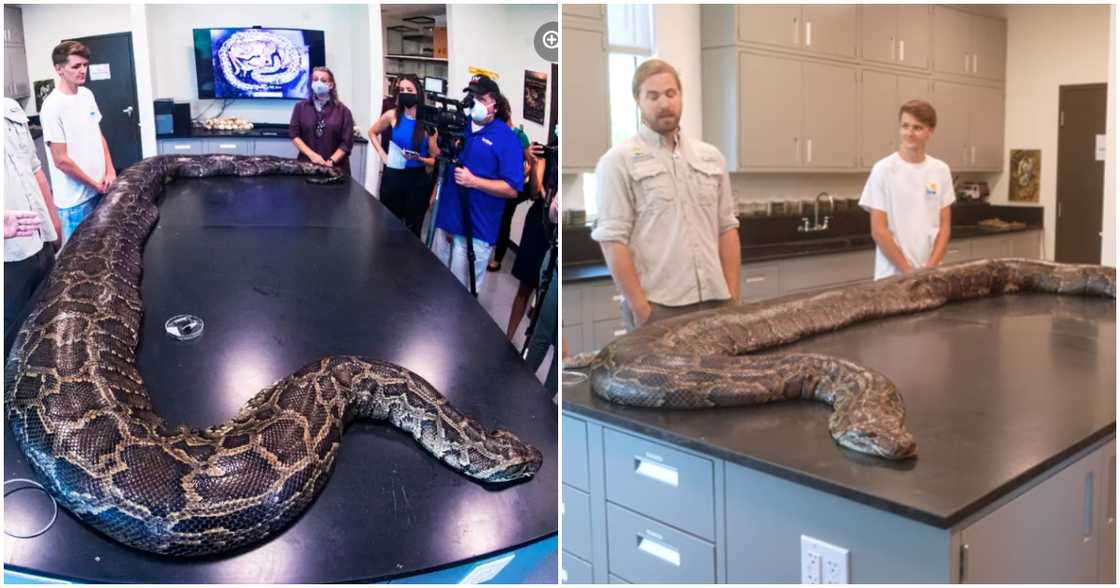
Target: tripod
x,y
465,215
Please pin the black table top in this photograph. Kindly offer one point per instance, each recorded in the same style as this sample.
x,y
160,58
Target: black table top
x,y
284,272
996,390
759,253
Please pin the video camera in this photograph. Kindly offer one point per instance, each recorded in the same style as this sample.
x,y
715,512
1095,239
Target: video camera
x,y
448,118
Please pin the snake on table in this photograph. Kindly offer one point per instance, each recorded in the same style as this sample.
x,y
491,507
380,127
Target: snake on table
x,y
78,408
701,360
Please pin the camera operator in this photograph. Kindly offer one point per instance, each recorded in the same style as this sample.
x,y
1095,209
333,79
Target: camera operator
x,y
490,172
542,329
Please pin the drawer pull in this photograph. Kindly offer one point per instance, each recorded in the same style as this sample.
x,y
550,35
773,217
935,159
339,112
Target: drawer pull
x,y
656,471
756,279
617,297
661,551
182,147
619,332
227,146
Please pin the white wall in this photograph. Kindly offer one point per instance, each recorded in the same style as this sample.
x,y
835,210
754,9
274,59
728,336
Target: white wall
x,y
1047,47
45,26
172,47
499,38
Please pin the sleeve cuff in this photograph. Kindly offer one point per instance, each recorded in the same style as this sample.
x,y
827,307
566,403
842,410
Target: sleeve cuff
x,y
611,231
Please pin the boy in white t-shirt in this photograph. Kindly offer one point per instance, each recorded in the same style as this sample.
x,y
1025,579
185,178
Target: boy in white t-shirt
x,y
908,195
80,164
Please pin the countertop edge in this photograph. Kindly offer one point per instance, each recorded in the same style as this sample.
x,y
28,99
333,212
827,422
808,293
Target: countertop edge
x,y
942,522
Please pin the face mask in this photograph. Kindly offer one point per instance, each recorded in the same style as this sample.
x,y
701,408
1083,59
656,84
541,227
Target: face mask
x,y
407,100
478,112
320,88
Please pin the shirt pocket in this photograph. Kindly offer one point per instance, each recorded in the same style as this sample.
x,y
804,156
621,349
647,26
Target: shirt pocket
x,y
653,186
706,177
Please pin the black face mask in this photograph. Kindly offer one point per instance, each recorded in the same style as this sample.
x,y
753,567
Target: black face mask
x,y
406,100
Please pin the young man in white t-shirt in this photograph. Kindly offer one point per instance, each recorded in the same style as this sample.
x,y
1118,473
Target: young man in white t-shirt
x,y
80,164
908,195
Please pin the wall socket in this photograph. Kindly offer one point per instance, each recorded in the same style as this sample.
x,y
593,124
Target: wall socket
x,y
822,563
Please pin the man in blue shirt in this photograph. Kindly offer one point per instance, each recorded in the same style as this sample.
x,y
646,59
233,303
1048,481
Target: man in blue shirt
x,y
491,172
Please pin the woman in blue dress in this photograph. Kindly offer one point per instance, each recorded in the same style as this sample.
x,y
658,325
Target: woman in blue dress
x,y
406,183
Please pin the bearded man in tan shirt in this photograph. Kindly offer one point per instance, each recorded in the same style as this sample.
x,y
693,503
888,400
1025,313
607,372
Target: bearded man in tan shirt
x,y
667,220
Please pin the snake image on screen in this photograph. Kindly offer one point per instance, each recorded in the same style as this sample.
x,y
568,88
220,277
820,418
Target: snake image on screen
x,y
260,60
711,359
77,406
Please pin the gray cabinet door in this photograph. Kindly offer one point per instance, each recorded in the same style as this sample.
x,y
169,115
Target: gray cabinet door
x,y
584,10
830,115
879,102
180,146
985,127
358,162
228,146
278,147
13,25
586,104
989,43
952,41
1048,534
950,139
15,57
913,44
879,37
911,88
1107,517
831,29
770,91
771,24
1028,245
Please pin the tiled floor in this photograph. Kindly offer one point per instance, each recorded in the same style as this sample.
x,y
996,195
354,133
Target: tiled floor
x,y
496,296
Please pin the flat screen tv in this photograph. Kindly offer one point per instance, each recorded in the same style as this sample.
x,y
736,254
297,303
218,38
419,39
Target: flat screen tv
x,y
256,62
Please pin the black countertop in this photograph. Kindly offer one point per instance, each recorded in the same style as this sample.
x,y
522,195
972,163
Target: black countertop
x,y
258,131
996,390
284,272
576,272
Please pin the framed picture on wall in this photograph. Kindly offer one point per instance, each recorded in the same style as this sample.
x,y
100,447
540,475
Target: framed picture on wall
x,y
43,88
1025,167
536,86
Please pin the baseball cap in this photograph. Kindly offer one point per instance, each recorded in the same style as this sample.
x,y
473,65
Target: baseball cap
x,y
481,84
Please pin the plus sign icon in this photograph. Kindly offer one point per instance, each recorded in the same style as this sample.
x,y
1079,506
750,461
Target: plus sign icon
x,y
547,41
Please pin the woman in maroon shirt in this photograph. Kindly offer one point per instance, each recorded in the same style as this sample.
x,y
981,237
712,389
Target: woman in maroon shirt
x,y
322,128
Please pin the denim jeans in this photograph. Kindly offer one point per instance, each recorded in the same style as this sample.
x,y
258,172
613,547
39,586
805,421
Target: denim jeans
x,y
454,256
73,216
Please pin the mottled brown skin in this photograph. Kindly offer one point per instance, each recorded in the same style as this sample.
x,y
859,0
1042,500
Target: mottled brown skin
x,y
78,408
701,360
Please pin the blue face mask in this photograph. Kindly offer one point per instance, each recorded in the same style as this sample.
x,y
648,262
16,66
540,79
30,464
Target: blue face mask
x,y
321,89
478,112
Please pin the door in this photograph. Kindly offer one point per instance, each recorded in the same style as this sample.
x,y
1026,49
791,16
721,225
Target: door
x,y
950,138
879,116
831,29
770,110
829,126
1081,118
952,41
773,24
880,26
586,105
985,128
990,47
913,35
112,80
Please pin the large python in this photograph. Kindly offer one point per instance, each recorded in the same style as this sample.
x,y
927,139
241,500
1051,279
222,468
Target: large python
x,y
78,408
700,360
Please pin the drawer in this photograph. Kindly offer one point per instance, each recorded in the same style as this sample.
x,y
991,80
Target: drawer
x,y
1026,245
180,147
605,301
574,570
576,515
575,454
228,146
607,331
955,252
990,247
759,282
826,270
277,147
613,579
656,480
645,551
572,295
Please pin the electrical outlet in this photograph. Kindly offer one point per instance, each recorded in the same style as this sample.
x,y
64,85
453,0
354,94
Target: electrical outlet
x,y
822,563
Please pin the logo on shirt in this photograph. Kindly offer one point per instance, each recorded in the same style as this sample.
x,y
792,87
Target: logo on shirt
x,y
638,156
932,189
488,141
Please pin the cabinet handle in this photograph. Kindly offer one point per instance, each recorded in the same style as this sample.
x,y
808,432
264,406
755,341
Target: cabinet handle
x,y
901,50
808,150
892,48
1087,524
662,551
617,297
756,279
796,150
182,147
966,68
619,332
808,33
796,32
964,562
227,146
973,153
656,471
975,63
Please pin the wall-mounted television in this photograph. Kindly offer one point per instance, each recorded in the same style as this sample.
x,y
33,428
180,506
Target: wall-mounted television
x,y
256,62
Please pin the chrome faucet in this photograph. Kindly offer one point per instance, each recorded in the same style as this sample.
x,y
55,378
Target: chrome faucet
x,y
817,226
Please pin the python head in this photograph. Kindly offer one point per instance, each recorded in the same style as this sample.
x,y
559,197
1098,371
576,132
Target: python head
x,y
895,445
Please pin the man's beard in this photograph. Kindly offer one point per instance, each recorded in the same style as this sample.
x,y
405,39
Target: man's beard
x,y
662,125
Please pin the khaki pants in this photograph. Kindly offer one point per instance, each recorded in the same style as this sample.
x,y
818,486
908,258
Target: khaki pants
x,y
660,312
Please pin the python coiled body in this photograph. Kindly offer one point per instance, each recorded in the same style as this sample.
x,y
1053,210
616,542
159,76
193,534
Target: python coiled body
x,y
700,360
77,406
